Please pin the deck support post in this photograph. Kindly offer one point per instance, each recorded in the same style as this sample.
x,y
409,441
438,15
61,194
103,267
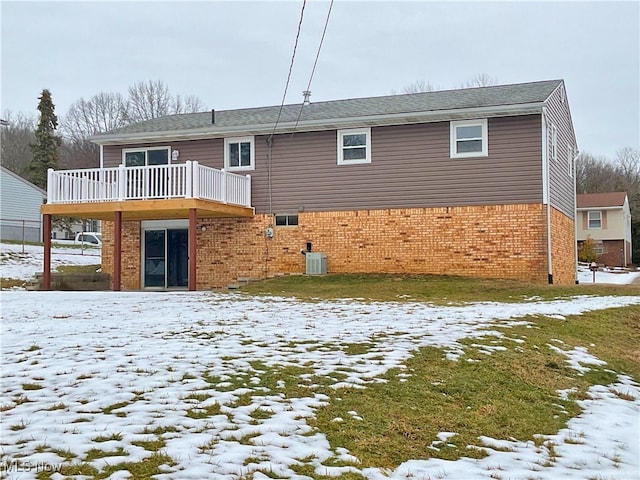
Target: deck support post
x,y
46,269
192,248
117,250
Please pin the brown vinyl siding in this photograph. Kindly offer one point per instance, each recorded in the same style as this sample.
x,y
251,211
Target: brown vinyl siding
x,y
561,185
411,167
207,152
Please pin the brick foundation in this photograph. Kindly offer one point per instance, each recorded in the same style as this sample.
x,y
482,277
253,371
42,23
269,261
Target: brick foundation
x,y
563,248
501,241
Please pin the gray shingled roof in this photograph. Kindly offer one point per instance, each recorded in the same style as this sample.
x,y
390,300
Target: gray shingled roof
x,y
482,97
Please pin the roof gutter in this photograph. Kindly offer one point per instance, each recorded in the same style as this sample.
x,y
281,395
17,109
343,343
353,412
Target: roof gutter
x,y
403,118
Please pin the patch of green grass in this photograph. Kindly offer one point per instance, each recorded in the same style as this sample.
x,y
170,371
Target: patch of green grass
x,y
96,453
261,414
18,426
73,470
151,445
67,455
32,386
6,283
145,469
204,412
79,268
437,289
159,430
107,438
81,420
109,409
198,397
510,393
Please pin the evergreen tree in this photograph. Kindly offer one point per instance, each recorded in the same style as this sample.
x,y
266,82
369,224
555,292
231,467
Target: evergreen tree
x,y
45,150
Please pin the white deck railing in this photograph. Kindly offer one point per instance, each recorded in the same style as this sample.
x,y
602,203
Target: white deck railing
x,y
184,180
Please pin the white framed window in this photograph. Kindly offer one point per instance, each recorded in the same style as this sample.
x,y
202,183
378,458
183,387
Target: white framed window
x,y
469,138
239,153
554,143
354,146
286,220
594,218
141,157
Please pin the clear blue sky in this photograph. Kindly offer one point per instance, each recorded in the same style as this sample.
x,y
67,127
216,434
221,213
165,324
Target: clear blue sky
x,y
237,54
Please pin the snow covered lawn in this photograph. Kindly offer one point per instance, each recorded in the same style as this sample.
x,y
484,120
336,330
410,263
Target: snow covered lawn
x,y
99,379
23,262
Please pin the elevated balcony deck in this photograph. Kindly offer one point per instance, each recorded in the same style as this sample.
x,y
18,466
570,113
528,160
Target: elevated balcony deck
x,y
152,192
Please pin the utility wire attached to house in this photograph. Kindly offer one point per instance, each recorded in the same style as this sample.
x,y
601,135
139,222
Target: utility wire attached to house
x,y
307,92
284,96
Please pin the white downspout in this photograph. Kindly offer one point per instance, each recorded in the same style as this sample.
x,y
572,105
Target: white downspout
x,y
101,156
575,212
546,190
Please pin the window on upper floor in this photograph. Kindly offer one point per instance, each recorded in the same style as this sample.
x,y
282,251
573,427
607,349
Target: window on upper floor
x,y
594,218
354,146
570,154
140,157
469,138
239,153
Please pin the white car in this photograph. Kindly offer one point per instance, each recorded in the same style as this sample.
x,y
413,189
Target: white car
x,y
89,238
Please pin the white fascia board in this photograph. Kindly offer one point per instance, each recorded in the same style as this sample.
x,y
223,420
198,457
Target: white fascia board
x,y
593,209
320,125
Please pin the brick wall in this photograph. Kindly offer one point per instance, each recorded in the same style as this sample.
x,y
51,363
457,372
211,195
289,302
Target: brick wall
x,y
563,248
612,253
131,247
500,241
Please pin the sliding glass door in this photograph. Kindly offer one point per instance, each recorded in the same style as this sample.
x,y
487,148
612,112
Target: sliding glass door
x,y
166,261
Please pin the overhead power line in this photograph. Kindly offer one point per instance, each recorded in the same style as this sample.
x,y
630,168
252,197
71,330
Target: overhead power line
x,y
315,63
293,57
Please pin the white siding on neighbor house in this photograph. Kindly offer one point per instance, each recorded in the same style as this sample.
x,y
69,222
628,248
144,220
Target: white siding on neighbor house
x,y
613,224
20,203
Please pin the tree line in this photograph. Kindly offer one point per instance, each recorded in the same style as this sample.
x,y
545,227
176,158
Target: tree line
x,y
102,112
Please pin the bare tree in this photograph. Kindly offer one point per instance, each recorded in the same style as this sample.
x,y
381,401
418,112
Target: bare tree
x,y
480,80
148,100
595,174
419,86
152,99
101,113
16,136
188,104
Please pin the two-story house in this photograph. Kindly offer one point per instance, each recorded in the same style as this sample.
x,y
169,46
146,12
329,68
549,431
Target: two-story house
x,y
606,218
476,182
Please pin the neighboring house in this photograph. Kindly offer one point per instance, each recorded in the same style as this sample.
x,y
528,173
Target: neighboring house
x,y
76,227
20,202
606,218
476,182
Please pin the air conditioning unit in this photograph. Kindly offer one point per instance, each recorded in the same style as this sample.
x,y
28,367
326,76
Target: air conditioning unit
x,y
316,263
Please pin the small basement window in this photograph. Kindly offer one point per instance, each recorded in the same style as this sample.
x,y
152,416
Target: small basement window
x,y
286,220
